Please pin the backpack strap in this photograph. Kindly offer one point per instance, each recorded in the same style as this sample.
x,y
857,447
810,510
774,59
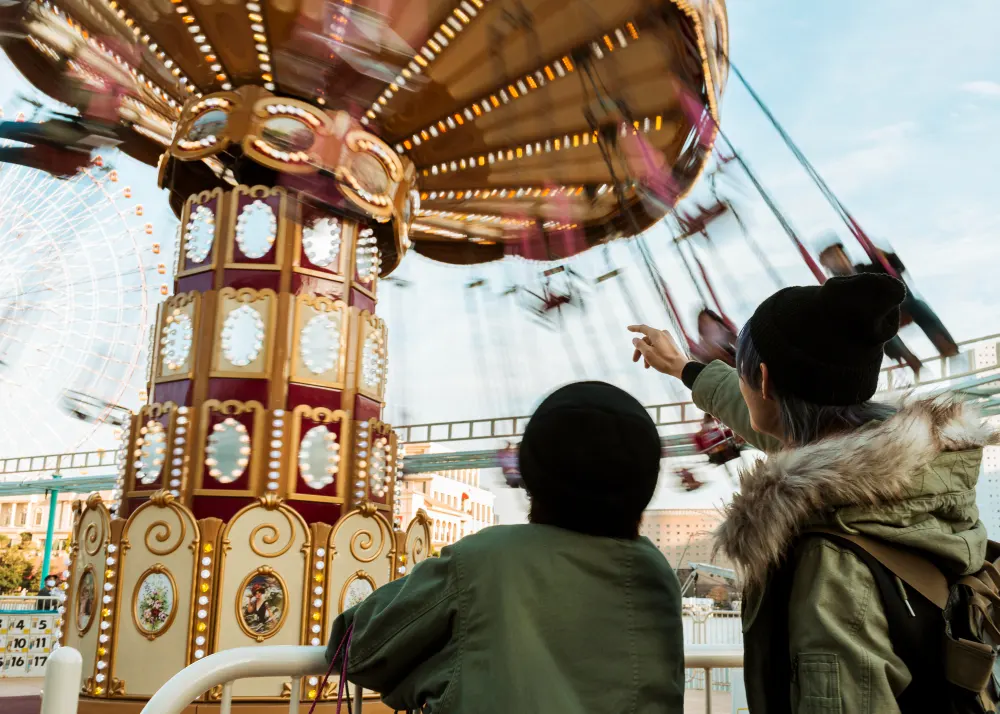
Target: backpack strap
x,y
917,572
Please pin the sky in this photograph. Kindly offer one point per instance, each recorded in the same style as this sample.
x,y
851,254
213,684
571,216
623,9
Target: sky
x,y
896,104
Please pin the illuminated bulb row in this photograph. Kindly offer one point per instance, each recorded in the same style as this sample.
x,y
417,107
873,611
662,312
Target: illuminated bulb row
x,y
43,48
315,624
316,612
122,459
241,462
397,506
277,441
434,230
567,141
476,218
557,226
289,110
377,199
361,459
162,140
188,145
61,607
366,257
104,637
177,459
485,193
254,14
521,87
154,48
389,158
199,643
84,35
204,46
158,455
457,21
295,157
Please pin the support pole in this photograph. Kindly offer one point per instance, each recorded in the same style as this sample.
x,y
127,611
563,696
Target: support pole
x,y
61,692
53,495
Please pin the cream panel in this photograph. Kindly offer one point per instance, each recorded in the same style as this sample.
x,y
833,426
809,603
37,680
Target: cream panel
x,y
264,554
160,548
361,550
92,535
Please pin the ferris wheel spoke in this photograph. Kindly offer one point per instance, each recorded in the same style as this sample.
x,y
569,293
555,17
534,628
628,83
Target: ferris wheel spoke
x,y
74,308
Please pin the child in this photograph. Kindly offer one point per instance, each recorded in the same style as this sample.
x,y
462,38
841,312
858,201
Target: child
x,y
573,612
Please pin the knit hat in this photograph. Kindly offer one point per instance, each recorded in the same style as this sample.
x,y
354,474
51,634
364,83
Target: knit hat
x,y
824,343
591,455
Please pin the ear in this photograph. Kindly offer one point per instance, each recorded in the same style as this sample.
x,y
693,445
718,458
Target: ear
x,y
765,382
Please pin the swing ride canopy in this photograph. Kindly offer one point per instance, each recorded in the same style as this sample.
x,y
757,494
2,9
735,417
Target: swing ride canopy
x,y
498,104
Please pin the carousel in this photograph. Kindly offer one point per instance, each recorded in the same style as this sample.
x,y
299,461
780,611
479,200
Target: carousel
x,y
306,146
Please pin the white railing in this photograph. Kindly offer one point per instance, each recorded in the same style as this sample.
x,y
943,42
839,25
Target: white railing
x,y
62,678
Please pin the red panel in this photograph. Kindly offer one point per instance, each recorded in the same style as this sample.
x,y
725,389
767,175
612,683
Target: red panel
x,y
130,505
202,282
178,392
245,390
361,300
365,408
313,285
257,279
221,507
299,394
300,484
212,205
268,258
243,482
315,512
161,479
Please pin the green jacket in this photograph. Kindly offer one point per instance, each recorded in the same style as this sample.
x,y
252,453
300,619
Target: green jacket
x,y
522,619
920,467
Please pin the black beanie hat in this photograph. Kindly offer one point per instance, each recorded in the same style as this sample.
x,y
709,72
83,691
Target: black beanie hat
x,y
824,343
591,455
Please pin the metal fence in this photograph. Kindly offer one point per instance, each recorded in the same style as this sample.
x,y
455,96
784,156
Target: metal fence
x,y
714,627
27,604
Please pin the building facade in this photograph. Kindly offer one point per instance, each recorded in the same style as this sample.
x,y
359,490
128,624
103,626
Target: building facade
x,y
684,535
455,501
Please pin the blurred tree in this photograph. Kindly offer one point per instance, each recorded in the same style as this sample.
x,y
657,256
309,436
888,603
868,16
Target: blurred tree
x,y
17,570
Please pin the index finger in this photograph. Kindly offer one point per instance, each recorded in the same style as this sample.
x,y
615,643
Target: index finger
x,y
644,329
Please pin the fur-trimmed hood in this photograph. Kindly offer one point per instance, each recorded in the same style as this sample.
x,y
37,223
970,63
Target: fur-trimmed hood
x,y
910,479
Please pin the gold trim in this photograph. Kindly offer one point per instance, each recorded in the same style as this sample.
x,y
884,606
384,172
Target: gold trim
x,y
258,193
161,569
95,613
273,538
316,305
365,546
163,537
189,116
189,304
90,536
360,575
212,259
259,116
321,415
230,407
265,357
262,570
365,324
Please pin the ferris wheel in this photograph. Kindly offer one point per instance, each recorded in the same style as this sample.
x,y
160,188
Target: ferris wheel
x,y
77,278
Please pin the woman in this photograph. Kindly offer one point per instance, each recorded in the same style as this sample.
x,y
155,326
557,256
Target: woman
x,y
815,625
571,613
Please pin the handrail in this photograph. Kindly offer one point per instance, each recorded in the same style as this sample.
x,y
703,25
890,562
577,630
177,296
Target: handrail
x,y
239,663
223,668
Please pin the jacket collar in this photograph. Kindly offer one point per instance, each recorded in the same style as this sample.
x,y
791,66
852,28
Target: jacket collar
x,y
871,466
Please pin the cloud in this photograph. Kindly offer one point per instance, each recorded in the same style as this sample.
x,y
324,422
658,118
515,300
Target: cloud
x,y
982,87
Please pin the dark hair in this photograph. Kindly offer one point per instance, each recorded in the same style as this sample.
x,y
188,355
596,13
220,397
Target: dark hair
x,y
611,524
590,460
804,422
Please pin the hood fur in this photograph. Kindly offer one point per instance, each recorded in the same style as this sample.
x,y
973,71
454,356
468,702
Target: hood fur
x,y
870,466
